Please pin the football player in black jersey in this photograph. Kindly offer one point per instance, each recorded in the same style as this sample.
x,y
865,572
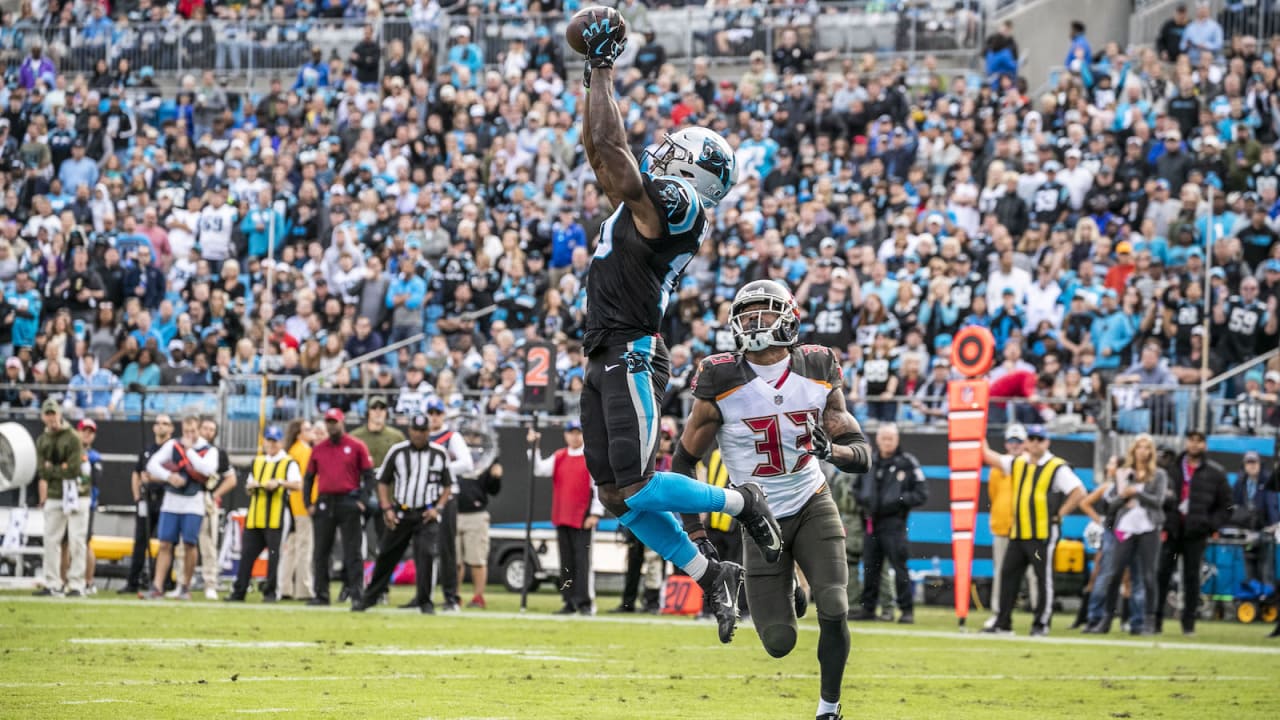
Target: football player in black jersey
x,y
658,226
761,406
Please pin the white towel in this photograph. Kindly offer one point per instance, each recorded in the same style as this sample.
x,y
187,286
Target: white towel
x,y
70,497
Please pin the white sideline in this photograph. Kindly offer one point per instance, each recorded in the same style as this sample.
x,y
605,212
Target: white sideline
x,y
688,623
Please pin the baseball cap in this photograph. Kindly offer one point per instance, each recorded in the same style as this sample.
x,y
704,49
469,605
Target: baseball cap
x,y
434,405
1015,433
419,422
273,432
50,406
1124,247
13,362
1252,456
1273,265
335,414
1272,376
1036,431
87,424
573,425
1052,166
378,401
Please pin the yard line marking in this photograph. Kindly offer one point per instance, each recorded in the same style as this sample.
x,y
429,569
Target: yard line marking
x,y
227,680
262,711
389,650
98,701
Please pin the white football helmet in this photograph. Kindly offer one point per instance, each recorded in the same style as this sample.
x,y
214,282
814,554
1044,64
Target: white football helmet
x,y
700,156
746,316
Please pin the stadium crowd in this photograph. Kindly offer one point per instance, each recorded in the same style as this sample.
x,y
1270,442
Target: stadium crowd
x,y
168,238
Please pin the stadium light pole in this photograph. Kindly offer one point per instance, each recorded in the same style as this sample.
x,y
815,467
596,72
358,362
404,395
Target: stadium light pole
x,y
1202,413
270,293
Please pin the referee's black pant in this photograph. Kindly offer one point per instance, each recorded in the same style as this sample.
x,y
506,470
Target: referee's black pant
x,y
1038,555
575,566
252,543
333,513
425,537
448,553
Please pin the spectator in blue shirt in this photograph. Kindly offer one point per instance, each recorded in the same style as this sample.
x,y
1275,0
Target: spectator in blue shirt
x,y
1204,34
405,297
464,54
1079,48
566,234
26,303
95,390
314,74
78,169
1112,333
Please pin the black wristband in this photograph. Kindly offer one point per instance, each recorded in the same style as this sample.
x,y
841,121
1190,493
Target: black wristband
x,y
684,462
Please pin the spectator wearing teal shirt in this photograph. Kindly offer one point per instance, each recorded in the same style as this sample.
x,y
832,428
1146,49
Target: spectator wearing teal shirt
x,y
1113,331
27,303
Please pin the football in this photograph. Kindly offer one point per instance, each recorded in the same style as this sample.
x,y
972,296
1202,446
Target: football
x,y
590,21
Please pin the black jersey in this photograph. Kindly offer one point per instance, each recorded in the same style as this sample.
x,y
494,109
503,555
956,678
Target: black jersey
x,y
631,277
1187,316
1244,324
832,323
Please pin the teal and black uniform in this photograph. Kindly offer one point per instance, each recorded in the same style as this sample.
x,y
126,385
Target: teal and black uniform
x,y
628,285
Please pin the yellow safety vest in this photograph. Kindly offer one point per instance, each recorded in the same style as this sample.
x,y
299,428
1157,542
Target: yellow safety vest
x,y
266,507
717,475
1032,485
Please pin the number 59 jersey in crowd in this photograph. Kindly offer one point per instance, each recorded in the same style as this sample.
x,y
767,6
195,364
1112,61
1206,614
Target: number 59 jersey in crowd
x,y
763,434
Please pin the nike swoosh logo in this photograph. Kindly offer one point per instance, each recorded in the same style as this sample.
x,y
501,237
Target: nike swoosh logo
x,y
726,601
776,544
608,368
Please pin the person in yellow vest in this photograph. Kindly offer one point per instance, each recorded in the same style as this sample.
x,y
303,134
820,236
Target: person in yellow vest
x,y
295,556
1000,490
1045,488
272,477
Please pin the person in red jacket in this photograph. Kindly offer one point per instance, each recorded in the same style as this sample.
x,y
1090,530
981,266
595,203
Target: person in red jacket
x,y
575,511
1118,275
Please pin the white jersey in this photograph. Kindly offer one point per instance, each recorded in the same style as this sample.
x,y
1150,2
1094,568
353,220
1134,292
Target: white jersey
x,y
764,434
216,226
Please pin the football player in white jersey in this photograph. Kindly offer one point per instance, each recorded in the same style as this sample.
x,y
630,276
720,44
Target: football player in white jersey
x,y
775,409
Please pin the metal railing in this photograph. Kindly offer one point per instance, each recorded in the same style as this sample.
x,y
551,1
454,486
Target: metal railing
x,y
251,51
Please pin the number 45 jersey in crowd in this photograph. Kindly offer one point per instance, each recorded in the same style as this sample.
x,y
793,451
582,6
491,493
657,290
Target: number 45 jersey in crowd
x,y
763,433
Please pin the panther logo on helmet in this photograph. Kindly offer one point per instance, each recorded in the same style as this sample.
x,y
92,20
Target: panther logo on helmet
x,y
713,161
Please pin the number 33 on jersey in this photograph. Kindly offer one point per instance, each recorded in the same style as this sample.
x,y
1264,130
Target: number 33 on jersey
x,y
763,436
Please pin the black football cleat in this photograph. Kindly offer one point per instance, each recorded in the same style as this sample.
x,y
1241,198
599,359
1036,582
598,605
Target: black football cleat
x,y
722,583
758,519
832,715
802,602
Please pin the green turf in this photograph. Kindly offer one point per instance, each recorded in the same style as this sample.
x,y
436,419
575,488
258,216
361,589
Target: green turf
x,y
104,658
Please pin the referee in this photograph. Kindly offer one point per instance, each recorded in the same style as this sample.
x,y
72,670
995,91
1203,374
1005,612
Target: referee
x,y
1044,489
413,485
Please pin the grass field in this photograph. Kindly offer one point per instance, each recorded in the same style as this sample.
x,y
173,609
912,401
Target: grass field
x,y
104,657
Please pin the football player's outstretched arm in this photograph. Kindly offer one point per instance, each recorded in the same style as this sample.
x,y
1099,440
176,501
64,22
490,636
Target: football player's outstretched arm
x,y
848,447
605,141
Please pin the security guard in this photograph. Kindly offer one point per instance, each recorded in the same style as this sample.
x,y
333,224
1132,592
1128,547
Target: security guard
x,y
1041,481
887,494
273,476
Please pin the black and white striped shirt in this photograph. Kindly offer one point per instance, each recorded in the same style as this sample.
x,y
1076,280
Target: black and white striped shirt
x,y
418,477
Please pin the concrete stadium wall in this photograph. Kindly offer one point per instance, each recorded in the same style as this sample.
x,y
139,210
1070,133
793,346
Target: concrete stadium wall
x,y
1042,28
